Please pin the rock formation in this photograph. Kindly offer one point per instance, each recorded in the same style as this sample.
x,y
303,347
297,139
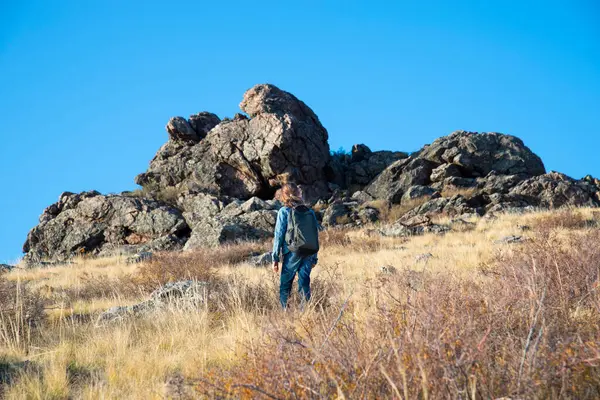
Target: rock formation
x,y
243,157
213,182
90,223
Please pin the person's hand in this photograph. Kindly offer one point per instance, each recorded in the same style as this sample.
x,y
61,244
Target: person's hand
x,y
276,266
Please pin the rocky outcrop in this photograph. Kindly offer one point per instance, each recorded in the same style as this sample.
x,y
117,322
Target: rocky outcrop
x,y
486,161
89,223
358,169
554,190
243,157
215,222
213,180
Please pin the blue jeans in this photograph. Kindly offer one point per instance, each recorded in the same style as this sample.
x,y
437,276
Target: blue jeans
x,y
292,264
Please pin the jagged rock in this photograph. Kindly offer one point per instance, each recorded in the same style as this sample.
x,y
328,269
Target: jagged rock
x,y
337,213
419,192
203,122
223,228
367,215
481,153
453,206
391,184
179,129
362,197
360,152
554,190
254,204
496,183
510,239
89,222
240,158
445,171
261,260
399,230
182,295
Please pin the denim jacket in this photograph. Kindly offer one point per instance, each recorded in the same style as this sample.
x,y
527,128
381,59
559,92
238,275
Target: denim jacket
x,y
279,245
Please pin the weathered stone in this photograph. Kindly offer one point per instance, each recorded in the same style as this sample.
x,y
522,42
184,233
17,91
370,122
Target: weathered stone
x,y
239,158
445,171
203,122
261,260
481,153
336,213
391,184
554,190
362,197
509,239
254,204
360,152
179,129
419,192
88,223
181,295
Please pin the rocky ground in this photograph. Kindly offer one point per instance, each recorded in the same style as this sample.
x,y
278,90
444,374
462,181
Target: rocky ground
x,y
214,181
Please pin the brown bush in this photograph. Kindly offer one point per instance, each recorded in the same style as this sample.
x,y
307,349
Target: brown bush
x,y
21,311
565,219
530,328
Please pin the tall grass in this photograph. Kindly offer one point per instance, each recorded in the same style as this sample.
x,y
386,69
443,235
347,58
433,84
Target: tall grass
x,y
476,320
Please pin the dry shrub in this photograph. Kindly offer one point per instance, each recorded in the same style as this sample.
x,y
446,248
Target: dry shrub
x,y
21,311
528,329
199,264
343,238
99,287
562,219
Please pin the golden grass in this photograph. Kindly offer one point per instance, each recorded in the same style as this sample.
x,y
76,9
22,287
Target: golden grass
x,y
69,357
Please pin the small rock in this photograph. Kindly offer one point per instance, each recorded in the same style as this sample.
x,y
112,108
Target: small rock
x,y
261,259
510,239
524,228
362,197
423,257
254,204
140,257
387,269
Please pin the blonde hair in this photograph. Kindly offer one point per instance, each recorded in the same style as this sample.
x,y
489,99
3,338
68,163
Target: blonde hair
x,y
290,195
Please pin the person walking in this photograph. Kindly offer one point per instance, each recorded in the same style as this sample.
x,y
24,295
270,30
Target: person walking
x,y
296,243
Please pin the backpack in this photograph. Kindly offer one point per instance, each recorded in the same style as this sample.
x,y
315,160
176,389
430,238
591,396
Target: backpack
x,y
302,235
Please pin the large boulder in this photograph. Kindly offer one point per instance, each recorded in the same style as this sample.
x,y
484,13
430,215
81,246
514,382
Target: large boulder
x,y
89,223
243,157
480,153
459,161
554,190
391,184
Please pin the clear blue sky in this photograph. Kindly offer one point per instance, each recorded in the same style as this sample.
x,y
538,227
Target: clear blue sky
x,y
86,87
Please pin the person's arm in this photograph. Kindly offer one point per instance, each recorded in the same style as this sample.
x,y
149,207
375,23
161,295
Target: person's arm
x,y
280,229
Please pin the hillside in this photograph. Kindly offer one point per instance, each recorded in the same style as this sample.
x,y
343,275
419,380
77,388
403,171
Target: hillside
x,y
504,306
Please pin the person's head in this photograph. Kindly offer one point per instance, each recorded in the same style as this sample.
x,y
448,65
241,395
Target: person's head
x,y
290,195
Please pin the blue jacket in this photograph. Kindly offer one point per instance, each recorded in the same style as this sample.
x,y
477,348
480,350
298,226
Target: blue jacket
x,y
279,245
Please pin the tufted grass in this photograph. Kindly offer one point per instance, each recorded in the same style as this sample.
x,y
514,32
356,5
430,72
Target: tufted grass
x,y
454,324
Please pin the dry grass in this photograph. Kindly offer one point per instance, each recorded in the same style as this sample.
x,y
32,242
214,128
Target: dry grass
x,y
389,213
474,320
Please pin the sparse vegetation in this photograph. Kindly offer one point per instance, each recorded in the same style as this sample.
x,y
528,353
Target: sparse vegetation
x,y
474,320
